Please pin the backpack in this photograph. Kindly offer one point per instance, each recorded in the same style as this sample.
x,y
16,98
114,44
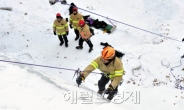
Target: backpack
x,y
97,24
103,24
92,31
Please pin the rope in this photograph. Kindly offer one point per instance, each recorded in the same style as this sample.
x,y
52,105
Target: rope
x,y
127,24
110,21
76,71
178,81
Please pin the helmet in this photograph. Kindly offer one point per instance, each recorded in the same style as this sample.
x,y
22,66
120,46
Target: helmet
x,y
108,53
74,8
82,23
58,15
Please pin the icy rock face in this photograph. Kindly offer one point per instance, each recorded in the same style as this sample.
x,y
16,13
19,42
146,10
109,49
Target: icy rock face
x,y
165,63
156,40
135,64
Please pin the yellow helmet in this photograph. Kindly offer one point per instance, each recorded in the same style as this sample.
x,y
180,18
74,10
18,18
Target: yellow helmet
x,y
108,53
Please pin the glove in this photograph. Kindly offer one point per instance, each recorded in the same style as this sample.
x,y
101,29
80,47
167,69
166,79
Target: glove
x,y
54,32
80,79
182,39
71,26
66,32
109,89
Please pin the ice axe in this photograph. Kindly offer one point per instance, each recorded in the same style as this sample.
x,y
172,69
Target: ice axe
x,y
77,72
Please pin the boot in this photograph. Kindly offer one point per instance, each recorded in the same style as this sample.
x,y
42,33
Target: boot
x,y
79,47
61,44
76,38
100,92
66,45
110,96
90,49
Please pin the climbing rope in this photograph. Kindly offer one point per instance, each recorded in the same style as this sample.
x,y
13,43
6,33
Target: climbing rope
x,y
76,71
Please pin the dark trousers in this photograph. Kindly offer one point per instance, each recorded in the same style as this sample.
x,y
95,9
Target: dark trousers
x,y
87,41
102,83
76,32
61,37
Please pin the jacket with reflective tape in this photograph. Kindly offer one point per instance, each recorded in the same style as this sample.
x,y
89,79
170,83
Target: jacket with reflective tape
x,y
60,26
114,70
84,31
74,20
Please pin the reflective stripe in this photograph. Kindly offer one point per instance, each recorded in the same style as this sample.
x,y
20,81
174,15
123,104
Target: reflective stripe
x,y
94,64
75,21
75,27
61,33
116,73
54,25
59,27
111,76
66,24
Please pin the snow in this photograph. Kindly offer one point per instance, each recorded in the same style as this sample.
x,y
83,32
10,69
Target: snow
x,y
26,36
165,63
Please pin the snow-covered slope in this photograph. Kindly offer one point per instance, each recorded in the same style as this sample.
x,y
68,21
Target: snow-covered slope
x,y
26,35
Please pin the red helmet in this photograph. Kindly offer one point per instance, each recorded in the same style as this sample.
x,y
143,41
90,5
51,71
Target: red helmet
x,y
75,9
81,22
58,15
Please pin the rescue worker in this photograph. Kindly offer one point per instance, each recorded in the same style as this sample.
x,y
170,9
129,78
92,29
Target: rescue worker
x,y
85,35
112,69
72,5
60,27
74,20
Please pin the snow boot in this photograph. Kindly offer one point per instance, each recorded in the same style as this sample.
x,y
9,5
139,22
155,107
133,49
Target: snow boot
x,y
100,92
66,45
76,38
110,96
61,44
79,47
90,49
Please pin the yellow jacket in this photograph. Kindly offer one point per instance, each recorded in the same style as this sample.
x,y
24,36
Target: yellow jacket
x,y
74,20
84,31
114,70
60,27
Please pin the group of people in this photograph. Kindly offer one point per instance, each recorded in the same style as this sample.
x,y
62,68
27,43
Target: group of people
x,y
81,29
107,62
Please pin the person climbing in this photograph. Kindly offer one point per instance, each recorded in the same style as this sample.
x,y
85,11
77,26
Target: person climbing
x,y
112,69
60,27
75,17
85,35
